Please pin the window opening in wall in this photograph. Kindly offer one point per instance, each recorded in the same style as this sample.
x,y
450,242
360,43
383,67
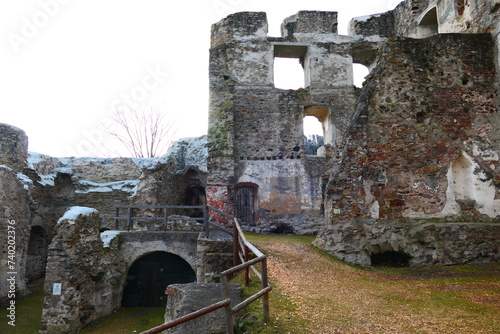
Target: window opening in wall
x,y
317,129
360,71
288,73
245,202
289,65
313,135
428,26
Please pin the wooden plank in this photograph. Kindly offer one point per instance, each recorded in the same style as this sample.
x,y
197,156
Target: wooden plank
x,y
242,266
188,317
251,299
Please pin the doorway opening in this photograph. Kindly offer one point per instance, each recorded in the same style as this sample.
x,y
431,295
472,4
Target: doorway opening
x,y
148,277
245,202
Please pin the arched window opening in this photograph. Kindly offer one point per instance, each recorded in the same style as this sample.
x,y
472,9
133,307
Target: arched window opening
x,y
360,72
313,135
463,178
317,129
428,25
149,276
246,203
390,259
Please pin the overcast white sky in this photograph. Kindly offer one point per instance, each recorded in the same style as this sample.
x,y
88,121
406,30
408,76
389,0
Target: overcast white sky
x,y
64,63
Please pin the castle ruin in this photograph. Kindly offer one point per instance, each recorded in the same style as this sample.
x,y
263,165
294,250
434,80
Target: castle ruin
x,y
409,168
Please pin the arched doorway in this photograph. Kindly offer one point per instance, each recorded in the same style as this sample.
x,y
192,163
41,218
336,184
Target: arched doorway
x,y
148,277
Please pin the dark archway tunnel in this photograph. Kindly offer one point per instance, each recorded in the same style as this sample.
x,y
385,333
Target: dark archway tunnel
x,y
148,277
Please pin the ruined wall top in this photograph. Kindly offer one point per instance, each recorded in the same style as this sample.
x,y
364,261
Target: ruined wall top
x,y
13,147
309,22
238,27
246,26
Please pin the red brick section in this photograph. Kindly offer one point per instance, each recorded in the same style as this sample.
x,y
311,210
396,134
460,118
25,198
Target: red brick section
x,y
423,105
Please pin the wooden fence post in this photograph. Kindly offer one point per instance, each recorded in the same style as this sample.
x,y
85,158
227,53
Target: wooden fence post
x,y
247,269
265,284
129,220
205,221
227,309
236,244
116,217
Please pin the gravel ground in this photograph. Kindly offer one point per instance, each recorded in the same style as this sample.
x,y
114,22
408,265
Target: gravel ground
x,y
331,297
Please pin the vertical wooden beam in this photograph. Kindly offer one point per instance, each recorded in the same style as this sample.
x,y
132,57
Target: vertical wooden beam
x,y
165,215
205,221
247,269
129,218
117,214
236,244
227,309
265,284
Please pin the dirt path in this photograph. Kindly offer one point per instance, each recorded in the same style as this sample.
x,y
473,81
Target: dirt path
x,y
331,297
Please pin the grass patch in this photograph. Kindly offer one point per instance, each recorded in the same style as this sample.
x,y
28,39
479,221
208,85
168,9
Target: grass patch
x,y
28,312
127,320
251,319
297,239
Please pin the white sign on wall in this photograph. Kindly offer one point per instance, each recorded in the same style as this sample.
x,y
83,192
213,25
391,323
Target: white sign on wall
x,y
56,289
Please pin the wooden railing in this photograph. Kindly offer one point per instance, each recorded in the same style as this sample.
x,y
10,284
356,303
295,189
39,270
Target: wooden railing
x,y
245,257
164,210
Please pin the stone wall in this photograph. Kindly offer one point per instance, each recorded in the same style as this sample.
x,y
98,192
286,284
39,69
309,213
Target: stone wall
x,y
15,212
13,147
15,230
92,268
88,273
422,146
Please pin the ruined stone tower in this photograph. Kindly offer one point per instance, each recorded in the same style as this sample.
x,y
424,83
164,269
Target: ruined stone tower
x,y
257,166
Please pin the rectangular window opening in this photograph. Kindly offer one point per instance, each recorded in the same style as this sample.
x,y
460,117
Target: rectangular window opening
x,y
289,65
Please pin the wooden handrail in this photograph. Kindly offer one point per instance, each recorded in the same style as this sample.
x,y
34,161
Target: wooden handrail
x,y
188,317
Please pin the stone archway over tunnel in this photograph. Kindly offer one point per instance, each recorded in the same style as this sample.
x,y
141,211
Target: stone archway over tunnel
x,y
148,277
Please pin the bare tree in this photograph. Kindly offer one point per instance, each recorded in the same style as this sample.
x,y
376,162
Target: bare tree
x,y
144,132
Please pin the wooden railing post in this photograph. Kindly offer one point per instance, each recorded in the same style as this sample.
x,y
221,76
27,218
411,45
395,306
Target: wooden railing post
x,y
116,217
227,309
236,244
205,221
129,220
265,284
165,215
247,269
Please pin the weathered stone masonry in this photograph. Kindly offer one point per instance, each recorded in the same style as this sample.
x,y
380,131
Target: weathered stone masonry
x,y
419,172
256,130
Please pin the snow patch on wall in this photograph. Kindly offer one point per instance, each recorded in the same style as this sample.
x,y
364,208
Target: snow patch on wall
x,y
108,236
75,211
